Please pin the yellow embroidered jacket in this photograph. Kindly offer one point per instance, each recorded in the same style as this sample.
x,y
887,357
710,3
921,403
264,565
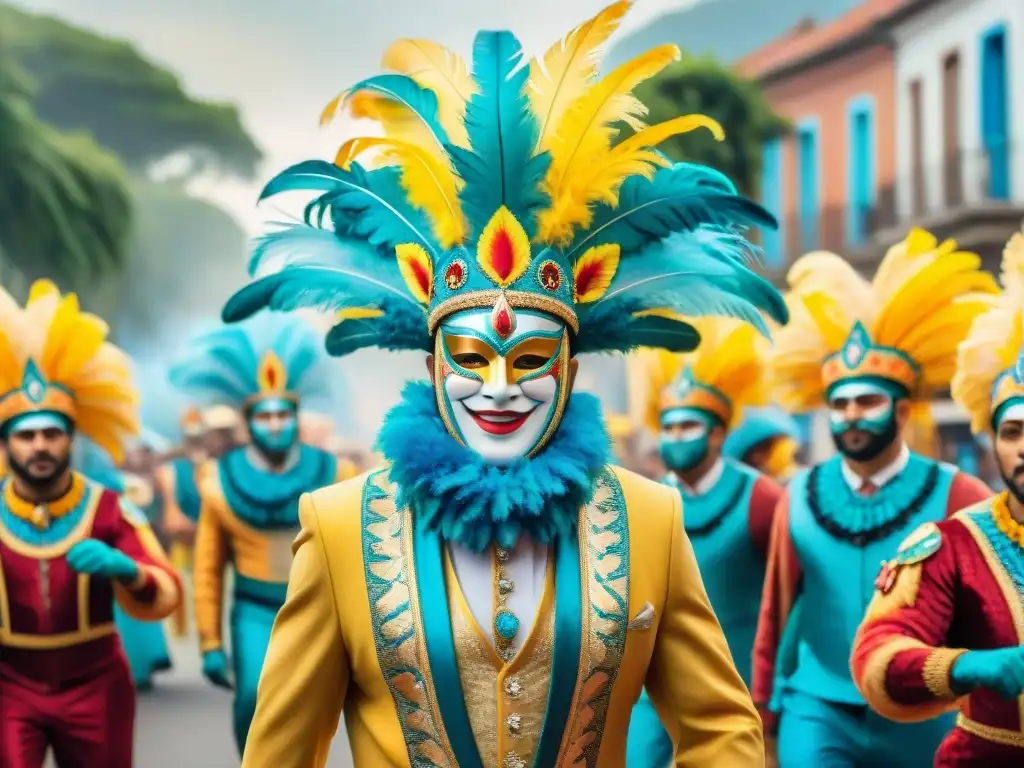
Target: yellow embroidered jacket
x,y
375,626
248,518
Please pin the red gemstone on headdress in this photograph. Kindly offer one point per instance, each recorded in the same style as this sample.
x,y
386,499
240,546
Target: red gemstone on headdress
x,y
503,323
455,275
271,377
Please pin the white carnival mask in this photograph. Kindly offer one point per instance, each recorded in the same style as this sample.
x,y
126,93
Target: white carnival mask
x,y
502,390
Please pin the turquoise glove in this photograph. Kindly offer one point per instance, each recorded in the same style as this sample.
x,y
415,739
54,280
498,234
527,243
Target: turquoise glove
x,y
95,558
215,669
1001,670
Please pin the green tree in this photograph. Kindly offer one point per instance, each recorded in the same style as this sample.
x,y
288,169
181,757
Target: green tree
x,y
105,87
139,111
64,202
702,85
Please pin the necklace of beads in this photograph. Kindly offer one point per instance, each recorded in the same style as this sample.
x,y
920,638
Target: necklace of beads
x,y
1013,530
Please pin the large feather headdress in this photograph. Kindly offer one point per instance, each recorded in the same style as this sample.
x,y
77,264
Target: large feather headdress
x,y
504,188
55,358
722,376
990,369
270,355
904,326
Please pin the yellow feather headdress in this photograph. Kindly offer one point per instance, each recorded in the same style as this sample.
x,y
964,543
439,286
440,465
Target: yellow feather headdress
x,y
904,326
55,358
511,188
723,375
988,372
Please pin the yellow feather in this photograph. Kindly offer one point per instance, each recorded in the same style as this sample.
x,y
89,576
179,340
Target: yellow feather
x,y
41,289
435,67
1012,273
930,288
584,135
331,110
357,313
832,324
568,69
410,256
430,184
399,122
633,157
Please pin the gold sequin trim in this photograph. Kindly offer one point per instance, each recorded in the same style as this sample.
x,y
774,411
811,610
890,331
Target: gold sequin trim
x,y
518,300
1002,736
1004,520
936,672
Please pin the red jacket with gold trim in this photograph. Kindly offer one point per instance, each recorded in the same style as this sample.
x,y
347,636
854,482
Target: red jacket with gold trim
x,y
56,623
951,588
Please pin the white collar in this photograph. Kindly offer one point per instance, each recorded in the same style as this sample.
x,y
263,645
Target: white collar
x,y
707,482
882,477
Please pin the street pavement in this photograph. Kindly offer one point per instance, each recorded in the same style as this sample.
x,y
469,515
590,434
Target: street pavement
x,y
186,723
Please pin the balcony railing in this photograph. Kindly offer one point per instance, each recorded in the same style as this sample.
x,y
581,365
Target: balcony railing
x,y
962,181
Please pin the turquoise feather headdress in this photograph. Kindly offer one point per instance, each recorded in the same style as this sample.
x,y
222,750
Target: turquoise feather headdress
x,y
270,355
503,190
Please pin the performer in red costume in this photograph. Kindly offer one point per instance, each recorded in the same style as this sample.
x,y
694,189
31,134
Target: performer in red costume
x,y
67,547
946,626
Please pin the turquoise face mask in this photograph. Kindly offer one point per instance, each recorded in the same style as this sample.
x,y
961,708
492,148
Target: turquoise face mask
x,y
284,433
875,421
684,449
879,422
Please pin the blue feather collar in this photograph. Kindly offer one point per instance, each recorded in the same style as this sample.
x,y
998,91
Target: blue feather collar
x,y
474,503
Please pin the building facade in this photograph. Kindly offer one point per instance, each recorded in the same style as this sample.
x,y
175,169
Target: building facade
x,y
959,129
835,84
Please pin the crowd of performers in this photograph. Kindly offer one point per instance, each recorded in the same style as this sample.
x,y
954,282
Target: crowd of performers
x,y
498,590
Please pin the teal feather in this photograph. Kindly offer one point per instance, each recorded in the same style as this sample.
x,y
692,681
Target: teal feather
x,y
297,245
691,273
663,333
365,205
402,89
501,168
392,330
221,365
333,288
676,199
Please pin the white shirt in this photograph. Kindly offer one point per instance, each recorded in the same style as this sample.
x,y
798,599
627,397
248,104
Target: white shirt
x,y
526,567
707,482
882,477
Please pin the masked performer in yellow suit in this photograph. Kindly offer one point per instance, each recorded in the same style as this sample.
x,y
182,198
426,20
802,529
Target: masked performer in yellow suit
x,y
265,368
497,594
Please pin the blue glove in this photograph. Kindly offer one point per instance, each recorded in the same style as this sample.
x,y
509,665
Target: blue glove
x,y
1001,670
215,669
95,558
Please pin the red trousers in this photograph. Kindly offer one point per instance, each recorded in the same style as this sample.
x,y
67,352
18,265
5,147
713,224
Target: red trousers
x,y
89,722
961,749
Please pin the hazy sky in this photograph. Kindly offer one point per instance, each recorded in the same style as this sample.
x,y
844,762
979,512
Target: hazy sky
x,y
282,60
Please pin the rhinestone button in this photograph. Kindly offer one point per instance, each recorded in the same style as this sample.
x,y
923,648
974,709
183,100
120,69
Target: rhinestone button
x,y
514,723
503,555
513,687
512,760
505,586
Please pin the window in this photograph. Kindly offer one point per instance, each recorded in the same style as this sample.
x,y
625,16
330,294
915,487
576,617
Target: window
x,y
994,112
860,170
771,198
809,175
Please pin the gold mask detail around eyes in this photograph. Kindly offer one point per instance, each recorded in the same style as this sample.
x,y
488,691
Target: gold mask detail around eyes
x,y
520,361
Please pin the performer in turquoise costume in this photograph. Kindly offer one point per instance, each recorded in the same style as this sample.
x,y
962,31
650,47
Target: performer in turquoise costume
x,y
871,353
145,642
265,369
727,506
767,439
497,594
